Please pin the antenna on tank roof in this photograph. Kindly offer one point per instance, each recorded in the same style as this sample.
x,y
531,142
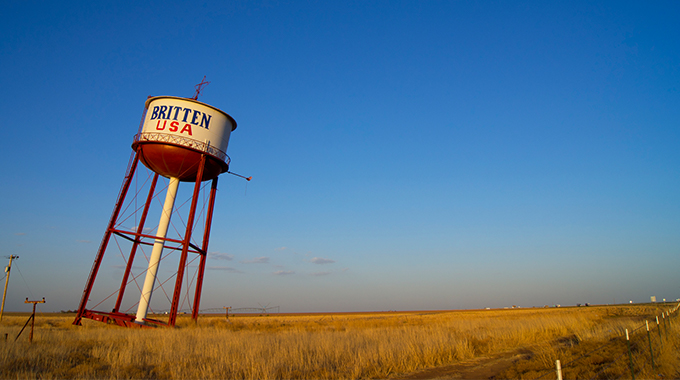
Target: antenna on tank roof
x,y
200,87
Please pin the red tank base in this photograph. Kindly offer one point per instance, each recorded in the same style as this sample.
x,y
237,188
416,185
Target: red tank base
x,y
179,162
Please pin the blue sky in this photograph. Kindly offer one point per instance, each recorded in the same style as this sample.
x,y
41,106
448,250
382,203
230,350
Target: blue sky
x,y
406,155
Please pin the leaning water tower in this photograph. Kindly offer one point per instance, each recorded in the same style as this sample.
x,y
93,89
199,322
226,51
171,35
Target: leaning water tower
x,y
183,140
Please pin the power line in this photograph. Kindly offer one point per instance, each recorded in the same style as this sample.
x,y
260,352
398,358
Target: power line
x,y
25,283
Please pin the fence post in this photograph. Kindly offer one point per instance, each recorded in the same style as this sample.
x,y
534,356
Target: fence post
x,y
558,369
630,356
658,327
665,327
649,338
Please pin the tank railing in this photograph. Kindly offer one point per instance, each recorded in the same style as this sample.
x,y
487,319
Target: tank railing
x,y
182,141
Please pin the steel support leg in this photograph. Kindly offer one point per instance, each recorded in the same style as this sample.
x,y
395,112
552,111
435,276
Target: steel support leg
x,y
105,240
185,245
135,245
204,248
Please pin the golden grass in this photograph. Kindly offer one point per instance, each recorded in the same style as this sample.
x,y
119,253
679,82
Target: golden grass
x,y
338,346
604,354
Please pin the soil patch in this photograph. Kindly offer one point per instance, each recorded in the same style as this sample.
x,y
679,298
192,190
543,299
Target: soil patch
x,y
474,369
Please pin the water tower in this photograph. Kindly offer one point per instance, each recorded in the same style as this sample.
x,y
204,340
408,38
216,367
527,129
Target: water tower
x,y
183,140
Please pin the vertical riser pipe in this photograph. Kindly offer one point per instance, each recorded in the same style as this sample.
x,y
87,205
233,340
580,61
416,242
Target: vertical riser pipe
x,y
155,258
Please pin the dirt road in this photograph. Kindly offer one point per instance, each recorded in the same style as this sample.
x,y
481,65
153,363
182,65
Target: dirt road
x,y
475,369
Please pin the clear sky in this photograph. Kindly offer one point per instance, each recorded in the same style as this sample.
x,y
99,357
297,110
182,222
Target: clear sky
x,y
406,155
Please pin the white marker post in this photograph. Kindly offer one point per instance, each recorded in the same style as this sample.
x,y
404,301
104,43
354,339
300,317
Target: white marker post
x,y
651,351
630,356
155,258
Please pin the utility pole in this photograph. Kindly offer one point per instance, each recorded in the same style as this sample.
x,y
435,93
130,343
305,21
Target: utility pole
x,y
30,319
4,294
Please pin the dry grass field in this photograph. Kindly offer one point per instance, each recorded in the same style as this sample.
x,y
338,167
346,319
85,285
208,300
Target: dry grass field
x,y
329,346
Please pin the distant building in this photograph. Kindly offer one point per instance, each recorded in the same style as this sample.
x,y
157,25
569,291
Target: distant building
x,y
653,299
